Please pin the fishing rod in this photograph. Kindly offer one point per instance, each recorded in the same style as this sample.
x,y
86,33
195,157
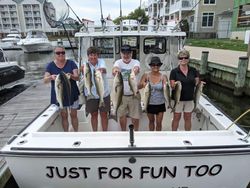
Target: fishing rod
x,y
177,25
121,24
102,19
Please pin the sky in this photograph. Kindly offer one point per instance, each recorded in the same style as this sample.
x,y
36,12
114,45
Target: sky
x,y
90,9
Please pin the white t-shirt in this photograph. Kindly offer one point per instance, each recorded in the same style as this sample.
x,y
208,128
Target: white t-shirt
x,y
125,71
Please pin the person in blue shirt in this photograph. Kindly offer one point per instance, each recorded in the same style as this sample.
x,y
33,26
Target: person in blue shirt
x,y
93,103
55,67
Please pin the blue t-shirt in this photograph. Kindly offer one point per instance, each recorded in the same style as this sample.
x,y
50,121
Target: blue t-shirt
x,y
68,68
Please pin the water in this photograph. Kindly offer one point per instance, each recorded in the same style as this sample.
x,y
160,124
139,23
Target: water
x,y
35,65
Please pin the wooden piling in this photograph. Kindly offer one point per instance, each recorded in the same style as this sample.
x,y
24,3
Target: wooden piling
x,y
241,76
204,62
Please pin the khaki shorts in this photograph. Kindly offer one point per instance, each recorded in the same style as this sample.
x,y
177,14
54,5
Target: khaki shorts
x,y
184,106
130,106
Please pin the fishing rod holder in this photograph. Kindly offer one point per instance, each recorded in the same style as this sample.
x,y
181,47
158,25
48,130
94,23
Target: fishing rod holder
x,y
131,135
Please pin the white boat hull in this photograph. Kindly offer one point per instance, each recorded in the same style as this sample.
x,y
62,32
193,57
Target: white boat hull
x,y
150,169
39,47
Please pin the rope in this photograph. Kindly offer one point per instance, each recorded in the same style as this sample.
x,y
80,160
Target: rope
x,y
238,119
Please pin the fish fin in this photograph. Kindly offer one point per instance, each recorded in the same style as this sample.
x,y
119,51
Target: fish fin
x,y
114,117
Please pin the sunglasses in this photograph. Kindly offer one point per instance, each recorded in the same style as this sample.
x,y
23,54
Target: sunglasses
x,y
180,58
155,65
58,53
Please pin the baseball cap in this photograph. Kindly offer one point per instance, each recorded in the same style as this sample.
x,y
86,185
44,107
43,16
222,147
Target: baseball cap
x,y
126,48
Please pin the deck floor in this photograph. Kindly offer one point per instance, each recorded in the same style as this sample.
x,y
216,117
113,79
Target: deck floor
x,y
18,112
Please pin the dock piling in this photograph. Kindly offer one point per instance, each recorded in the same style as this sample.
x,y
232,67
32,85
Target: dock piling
x,y
241,76
204,62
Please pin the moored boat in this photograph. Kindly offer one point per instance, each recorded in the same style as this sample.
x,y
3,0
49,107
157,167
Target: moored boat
x,y
35,41
211,155
11,73
10,42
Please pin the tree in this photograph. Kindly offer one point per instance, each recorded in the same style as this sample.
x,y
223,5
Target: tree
x,y
138,14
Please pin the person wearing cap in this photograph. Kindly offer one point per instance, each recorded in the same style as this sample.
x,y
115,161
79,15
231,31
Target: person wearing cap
x,y
189,78
156,105
130,103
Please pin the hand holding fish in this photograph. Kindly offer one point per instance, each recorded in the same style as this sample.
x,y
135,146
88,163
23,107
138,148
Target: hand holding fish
x,y
115,71
53,76
136,70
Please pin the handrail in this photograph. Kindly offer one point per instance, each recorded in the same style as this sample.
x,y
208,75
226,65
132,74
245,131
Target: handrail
x,y
238,119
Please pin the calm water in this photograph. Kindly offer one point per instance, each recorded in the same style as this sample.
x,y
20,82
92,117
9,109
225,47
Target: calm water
x,y
35,64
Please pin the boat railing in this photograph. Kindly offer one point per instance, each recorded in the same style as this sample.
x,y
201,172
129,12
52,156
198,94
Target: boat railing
x,y
127,27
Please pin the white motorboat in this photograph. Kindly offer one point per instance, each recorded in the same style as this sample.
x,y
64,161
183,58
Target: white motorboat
x,y
213,154
35,41
10,42
11,73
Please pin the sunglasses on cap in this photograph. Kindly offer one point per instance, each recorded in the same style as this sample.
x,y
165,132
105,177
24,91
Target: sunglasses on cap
x,y
58,53
180,58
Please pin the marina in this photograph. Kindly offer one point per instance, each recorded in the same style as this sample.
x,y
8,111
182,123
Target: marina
x,y
38,149
134,154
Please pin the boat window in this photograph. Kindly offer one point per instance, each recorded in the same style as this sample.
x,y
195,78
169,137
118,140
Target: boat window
x,y
132,41
155,45
106,47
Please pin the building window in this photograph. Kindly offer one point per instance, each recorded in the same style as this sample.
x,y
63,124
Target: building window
x,y
244,16
208,19
206,2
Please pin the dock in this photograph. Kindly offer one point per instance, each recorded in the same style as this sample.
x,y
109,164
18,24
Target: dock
x,y
17,113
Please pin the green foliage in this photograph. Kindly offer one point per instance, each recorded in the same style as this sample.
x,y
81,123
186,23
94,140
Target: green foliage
x,y
137,14
226,44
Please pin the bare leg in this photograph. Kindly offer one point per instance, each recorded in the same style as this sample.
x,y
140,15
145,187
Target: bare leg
x,y
151,119
94,120
187,119
135,123
104,120
159,118
74,119
175,121
123,123
65,123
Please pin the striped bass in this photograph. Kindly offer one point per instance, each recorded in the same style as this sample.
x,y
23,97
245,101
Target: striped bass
x,y
117,93
167,94
88,79
99,86
146,96
197,94
133,82
177,96
63,89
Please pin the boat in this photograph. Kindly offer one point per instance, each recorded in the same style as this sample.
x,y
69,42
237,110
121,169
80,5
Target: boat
x,y
11,74
10,42
35,41
213,154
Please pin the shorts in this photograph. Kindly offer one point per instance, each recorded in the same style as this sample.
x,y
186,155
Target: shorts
x,y
184,106
131,106
92,105
155,109
74,106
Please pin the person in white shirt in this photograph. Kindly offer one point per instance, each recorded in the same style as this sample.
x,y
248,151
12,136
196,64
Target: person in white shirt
x,y
130,105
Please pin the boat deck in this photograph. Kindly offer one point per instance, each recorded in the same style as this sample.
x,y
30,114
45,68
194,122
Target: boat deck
x,y
18,113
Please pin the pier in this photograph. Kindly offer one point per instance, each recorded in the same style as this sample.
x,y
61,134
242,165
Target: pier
x,y
19,112
227,68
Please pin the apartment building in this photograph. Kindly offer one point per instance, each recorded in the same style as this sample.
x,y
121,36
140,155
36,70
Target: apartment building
x,y
22,15
241,19
204,17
